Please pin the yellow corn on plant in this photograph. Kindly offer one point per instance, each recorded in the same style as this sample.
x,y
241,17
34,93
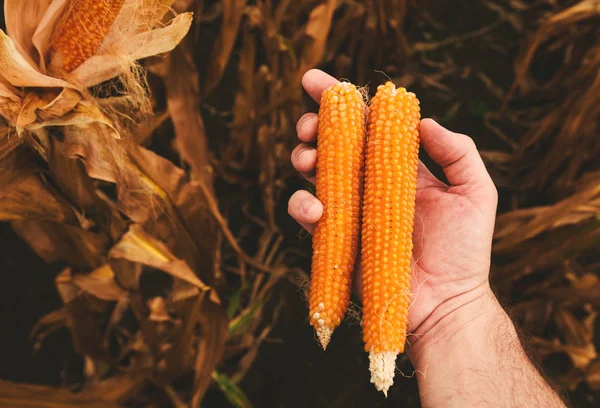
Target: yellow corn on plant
x,y
339,175
388,218
81,31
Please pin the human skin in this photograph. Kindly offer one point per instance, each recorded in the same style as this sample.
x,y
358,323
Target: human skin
x,y
463,346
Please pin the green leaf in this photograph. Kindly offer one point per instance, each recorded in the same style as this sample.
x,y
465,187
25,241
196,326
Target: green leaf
x,y
232,392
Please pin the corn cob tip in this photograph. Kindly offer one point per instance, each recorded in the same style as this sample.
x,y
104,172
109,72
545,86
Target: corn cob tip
x,y
324,335
383,367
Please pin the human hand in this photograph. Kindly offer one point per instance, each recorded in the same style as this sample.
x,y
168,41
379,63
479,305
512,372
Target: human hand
x,y
453,224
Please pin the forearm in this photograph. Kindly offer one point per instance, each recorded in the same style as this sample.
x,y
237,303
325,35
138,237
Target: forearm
x,y
471,355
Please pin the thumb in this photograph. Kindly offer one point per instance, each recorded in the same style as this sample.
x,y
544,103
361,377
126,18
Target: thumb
x,y
457,155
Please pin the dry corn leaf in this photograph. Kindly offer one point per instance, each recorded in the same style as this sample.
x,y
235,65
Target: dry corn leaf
x,y
118,388
233,10
180,213
244,107
211,347
543,220
593,375
574,331
31,199
47,325
99,283
582,290
94,145
84,323
580,355
17,162
316,32
183,102
137,246
70,176
36,396
60,242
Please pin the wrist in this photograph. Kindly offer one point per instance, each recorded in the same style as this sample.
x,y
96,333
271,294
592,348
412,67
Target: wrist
x,y
457,322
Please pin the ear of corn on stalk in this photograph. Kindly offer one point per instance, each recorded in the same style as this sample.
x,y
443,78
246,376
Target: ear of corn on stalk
x,y
339,176
388,218
81,31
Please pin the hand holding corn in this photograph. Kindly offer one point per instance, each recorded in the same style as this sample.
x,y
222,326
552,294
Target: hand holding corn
x,y
453,224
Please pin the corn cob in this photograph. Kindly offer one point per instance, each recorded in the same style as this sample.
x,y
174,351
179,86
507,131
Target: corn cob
x,y
388,218
340,161
81,31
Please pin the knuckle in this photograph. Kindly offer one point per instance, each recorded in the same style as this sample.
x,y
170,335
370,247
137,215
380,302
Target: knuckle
x,y
469,143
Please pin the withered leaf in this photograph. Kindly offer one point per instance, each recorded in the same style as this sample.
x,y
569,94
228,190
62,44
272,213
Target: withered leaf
x,y
137,246
84,324
593,375
574,331
244,108
580,355
99,283
214,332
544,219
117,388
317,30
183,101
233,11
36,396
177,211
60,242
31,199
17,162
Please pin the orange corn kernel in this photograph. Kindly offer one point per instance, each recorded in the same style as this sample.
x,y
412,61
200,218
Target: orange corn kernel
x,y
81,31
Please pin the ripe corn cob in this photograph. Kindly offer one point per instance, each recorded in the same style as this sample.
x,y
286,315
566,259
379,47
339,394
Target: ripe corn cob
x,y
81,31
340,161
388,218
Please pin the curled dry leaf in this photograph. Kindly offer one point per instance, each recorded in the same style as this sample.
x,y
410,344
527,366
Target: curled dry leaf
x,y
137,246
99,283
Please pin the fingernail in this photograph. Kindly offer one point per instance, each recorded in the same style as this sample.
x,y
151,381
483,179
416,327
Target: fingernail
x,y
302,123
306,206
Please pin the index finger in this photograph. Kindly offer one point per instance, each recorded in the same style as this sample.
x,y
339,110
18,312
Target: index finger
x,y
316,81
